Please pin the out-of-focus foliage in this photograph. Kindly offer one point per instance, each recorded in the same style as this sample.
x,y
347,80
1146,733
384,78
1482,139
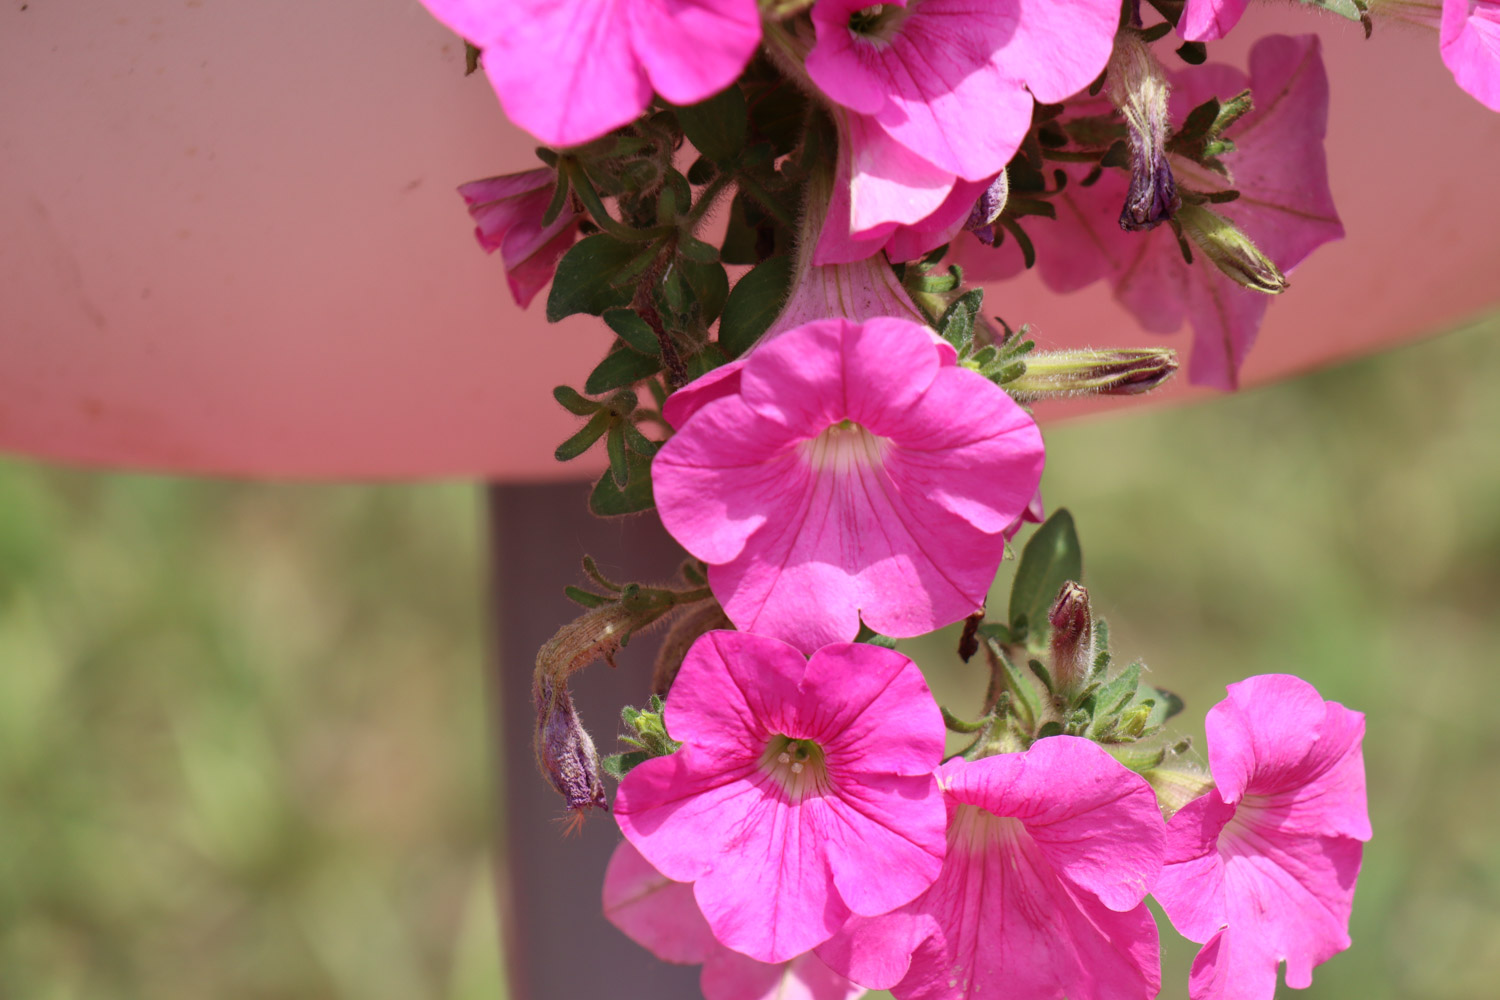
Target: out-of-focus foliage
x,y
242,748
242,743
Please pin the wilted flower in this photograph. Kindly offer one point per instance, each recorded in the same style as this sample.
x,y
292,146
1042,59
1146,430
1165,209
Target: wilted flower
x,y
508,213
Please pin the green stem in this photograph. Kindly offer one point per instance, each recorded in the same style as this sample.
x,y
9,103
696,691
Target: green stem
x,y
706,200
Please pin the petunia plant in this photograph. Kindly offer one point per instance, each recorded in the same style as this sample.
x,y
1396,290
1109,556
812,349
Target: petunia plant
x,y
778,207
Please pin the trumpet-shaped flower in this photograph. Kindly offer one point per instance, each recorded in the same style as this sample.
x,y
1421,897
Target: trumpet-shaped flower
x,y
1050,855
803,792
662,916
568,71
1261,868
1285,206
854,472
933,92
507,212
1469,38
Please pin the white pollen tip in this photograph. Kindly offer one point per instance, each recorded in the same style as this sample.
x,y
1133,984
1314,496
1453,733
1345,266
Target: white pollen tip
x,y
784,757
797,767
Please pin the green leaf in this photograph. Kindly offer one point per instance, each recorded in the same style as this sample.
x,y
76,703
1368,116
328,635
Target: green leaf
x,y
1165,704
709,284
617,765
638,442
574,402
614,445
620,368
585,279
717,127
956,325
580,596
1115,694
609,499
742,235
1051,558
636,332
584,439
874,638
754,304
1343,8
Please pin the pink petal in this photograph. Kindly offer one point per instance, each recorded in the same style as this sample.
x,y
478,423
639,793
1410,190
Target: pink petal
x,y
529,269
729,975
942,226
1191,886
774,857
653,911
692,49
678,809
507,186
1060,47
1210,20
564,69
888,182
722,381
1469,39
1102,831
1275,739
871,711
737,690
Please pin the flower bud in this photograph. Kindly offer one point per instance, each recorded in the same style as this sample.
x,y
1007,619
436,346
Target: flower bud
x,y
989,208
564,749
1137,86
1072,638
1123,372
1231,250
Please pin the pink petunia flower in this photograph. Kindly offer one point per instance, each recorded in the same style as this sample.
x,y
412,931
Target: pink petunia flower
x,y
1050,855
662,916
803,792
1261,868
568,71
1469,39
933,92
1286,207
854,473
508,214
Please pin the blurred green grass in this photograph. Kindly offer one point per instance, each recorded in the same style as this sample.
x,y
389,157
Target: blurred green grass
x,y
242,743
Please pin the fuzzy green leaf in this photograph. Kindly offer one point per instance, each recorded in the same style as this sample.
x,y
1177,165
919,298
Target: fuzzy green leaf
x,y
629,327
609,499
585,437
1051,558
754,304
717,127
586,277
620,368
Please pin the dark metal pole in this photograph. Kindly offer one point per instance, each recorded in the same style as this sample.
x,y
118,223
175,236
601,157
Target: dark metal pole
x,y
557,944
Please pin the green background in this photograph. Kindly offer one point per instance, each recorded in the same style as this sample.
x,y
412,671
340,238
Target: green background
x,y
243,751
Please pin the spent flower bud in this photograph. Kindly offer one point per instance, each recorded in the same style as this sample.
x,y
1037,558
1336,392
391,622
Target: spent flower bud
x,y
988,208
1072,623
1122,372
1138,87
1231,250
564,749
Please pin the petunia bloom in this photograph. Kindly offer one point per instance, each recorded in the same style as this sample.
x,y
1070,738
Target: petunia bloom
x,y
662,916
1050,855
507,211
568,71
1261,868
1469,39
803,792
1285,206
853,473
933,92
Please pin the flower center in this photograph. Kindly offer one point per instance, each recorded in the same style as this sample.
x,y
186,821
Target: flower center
x,y
845,447
796,765
879,22
978,831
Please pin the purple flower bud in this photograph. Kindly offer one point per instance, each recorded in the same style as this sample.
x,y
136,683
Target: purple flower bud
x,y
989,205
1072,637
565,750
1138,88
1127,371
